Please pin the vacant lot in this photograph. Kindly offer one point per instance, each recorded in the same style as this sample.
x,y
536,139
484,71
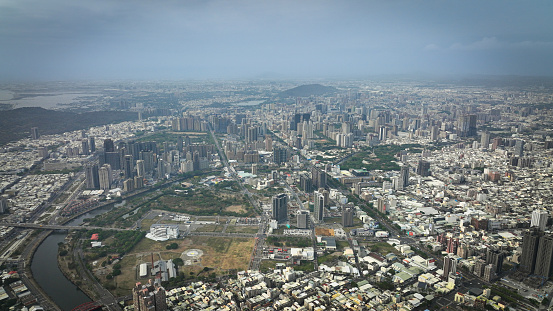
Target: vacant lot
x,y
220,254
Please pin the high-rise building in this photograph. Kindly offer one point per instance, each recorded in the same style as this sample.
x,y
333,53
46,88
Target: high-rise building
x,y
149,297
303,219
404,176
466,125
268,144
318,178
485,140
489,273
495,257
43,152
280,155
423,168
530,241
128,185
347,217
450,266
140,168
539,219
108,145
382,133
3,205
519,148
138,182
381,205
92,144
318,211
544,257
92,178
306,184
105,177
111,158
280,208
434,132
34,133
85,150
128,166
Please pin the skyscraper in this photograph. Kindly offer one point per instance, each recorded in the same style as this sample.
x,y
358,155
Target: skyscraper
x,y
485,140
466,125
382,133
318,178
280,155
318,211
434,131
92,178
530,241
92,144
34,133
84,147
404,176
423,168
519,148
303,219
140,168
539,219
108,145
347,217
450,266
544,257
495,257
105,177
128,166
280,208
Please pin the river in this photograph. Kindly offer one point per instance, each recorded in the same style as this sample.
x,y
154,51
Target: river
x,y
47,274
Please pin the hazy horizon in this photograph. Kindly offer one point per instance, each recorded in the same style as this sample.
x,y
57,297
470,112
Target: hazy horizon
x,y
173,40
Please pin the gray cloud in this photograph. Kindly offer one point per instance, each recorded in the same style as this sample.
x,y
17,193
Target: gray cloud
x,y
63,39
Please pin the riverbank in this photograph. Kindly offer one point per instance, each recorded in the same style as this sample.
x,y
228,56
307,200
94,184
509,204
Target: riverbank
x,y
27,277
71,270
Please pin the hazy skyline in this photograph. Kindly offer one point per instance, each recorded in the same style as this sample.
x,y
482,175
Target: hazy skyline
x,y
62,39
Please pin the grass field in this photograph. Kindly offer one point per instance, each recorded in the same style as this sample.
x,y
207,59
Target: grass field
x,y
268,265
210,228
382,248
242,229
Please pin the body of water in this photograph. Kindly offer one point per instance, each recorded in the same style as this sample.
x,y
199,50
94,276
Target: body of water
x,y
47,101
6,95
250,103
47,274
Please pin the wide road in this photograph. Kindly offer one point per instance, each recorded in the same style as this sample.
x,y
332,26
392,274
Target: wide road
x,y
58,227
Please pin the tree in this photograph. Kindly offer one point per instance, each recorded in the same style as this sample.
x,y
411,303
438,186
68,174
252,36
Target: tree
x,y
178,262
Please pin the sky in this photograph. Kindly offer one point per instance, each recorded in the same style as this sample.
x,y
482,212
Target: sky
x,y
197,39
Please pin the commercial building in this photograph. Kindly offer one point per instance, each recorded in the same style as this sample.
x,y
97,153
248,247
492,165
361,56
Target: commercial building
x,y
280,208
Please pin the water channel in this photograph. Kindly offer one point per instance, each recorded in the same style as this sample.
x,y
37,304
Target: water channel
x,y
47,274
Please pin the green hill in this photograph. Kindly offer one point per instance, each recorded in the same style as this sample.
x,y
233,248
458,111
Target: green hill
x,y
17,123
308,90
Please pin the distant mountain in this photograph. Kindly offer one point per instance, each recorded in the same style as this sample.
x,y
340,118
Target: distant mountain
x,y
17,123
308,90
